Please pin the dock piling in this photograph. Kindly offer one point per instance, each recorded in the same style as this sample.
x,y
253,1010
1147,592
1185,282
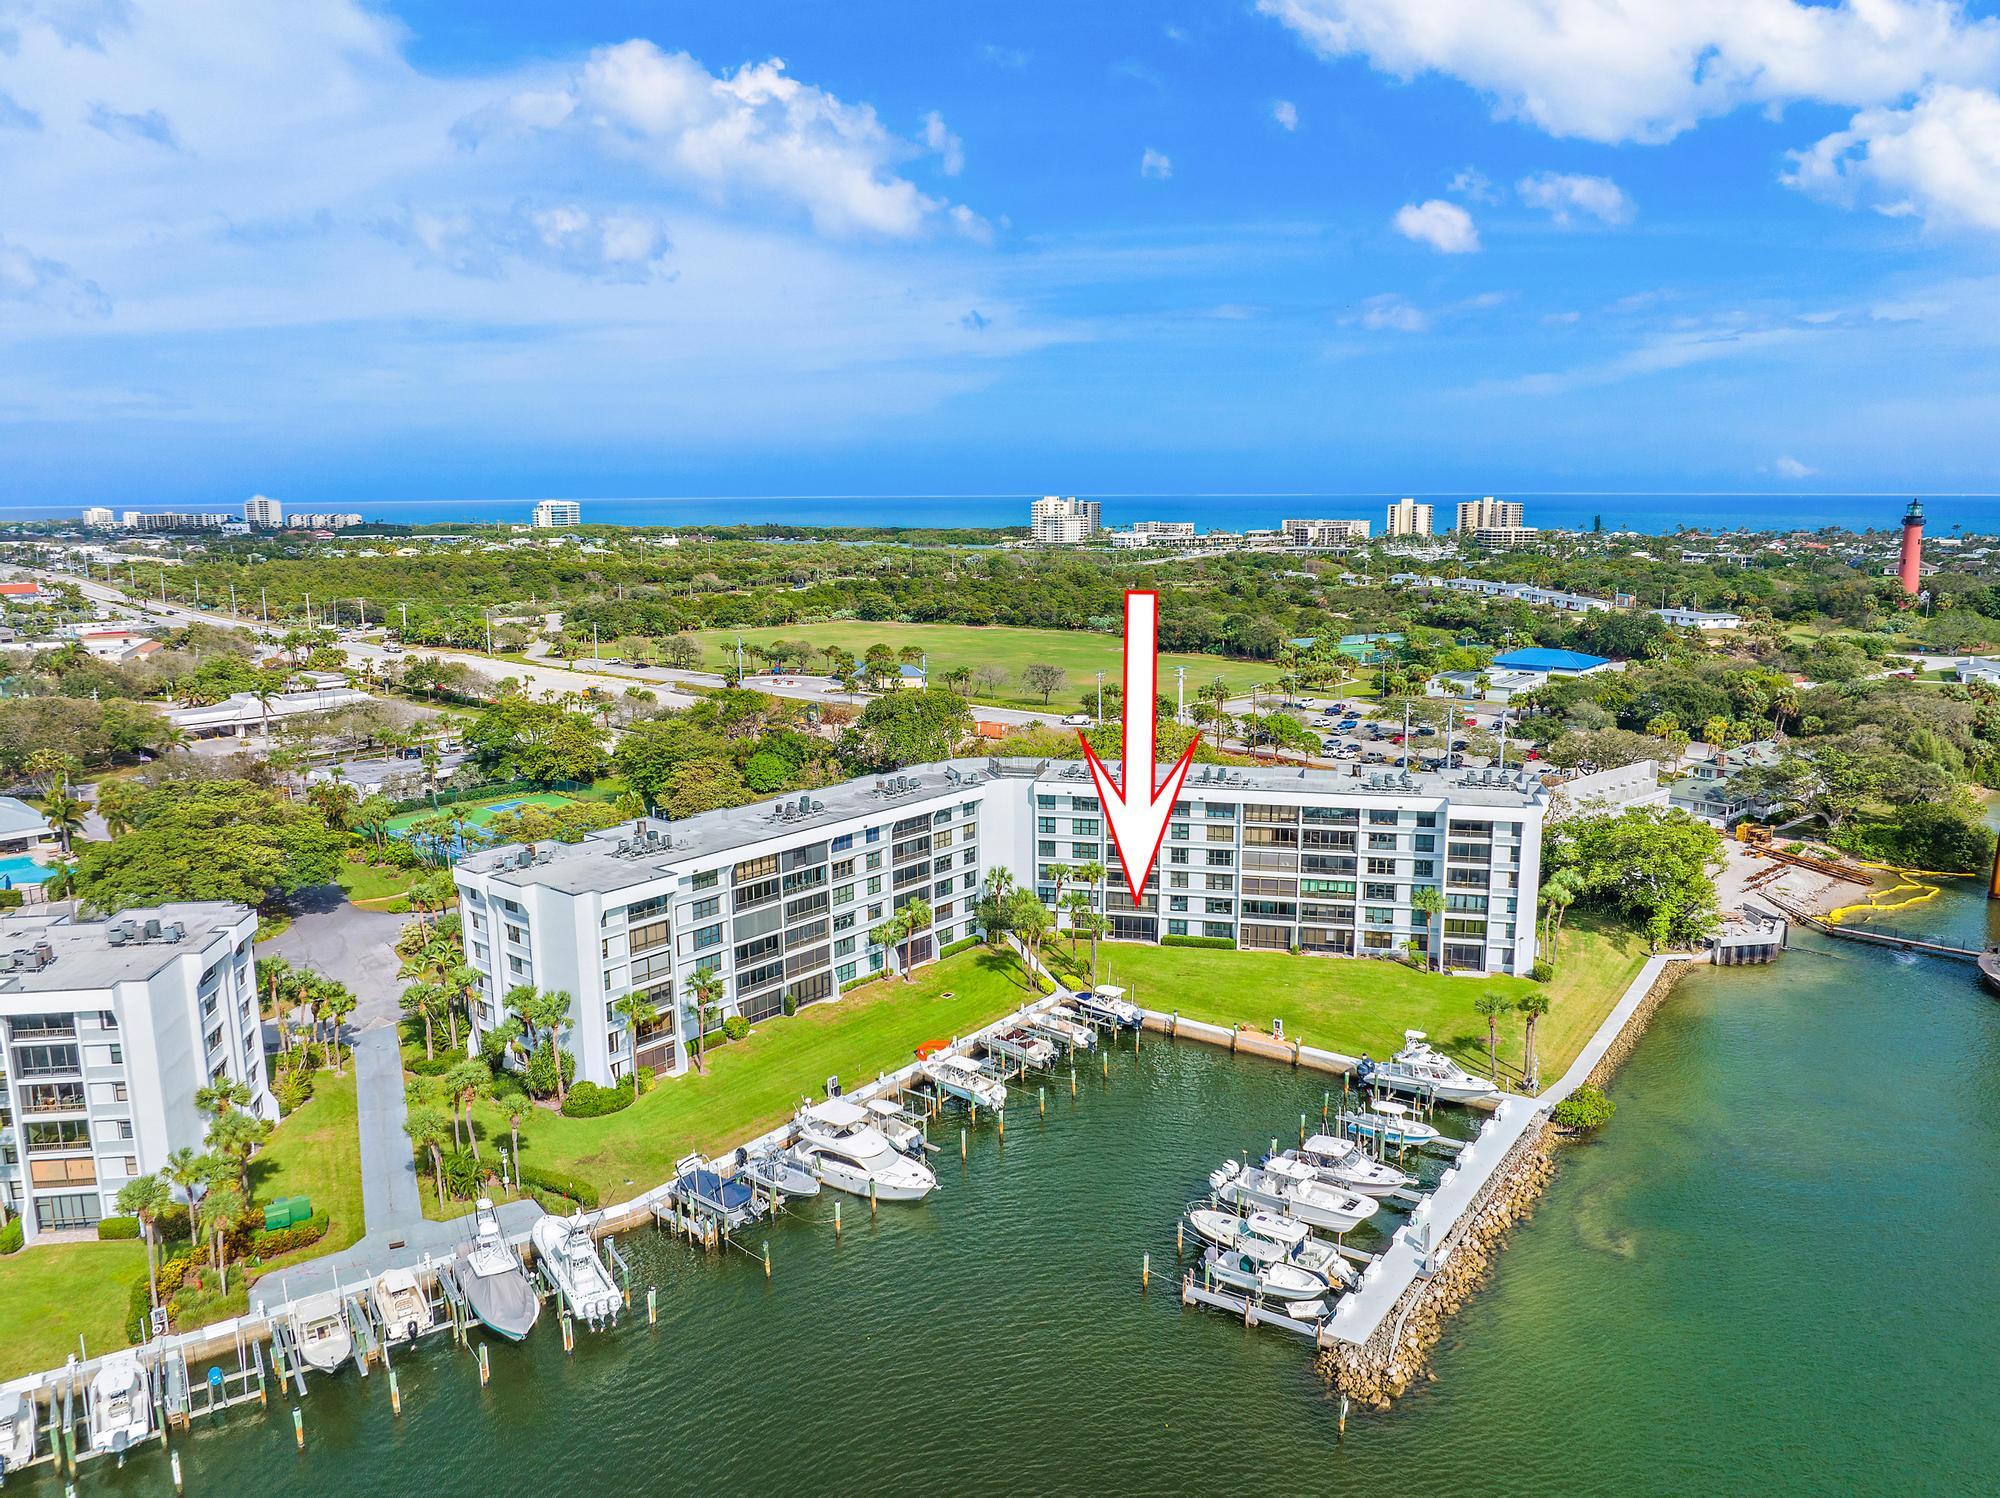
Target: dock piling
x,y
569,1334
485,1370
174,1457
395,1394
1045,1100
836,1222
652,1305
299,1427
1145,1270
767,1258
1072,1079
961,1155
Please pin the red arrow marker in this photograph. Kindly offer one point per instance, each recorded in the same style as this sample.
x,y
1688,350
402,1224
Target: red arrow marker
x,y
1136,811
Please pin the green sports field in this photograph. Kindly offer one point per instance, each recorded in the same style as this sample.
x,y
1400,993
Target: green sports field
x,y
1079,654
479,813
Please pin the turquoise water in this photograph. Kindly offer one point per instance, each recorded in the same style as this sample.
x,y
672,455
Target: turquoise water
x,y
19,868
1773,1273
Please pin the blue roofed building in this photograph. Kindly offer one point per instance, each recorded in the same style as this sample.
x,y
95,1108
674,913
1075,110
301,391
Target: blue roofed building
x,y
1551,661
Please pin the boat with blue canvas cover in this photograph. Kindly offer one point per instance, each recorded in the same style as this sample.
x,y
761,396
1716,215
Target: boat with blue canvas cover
x,y
730,1196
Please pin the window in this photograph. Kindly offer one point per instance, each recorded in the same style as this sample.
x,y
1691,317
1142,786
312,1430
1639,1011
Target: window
x,y
706,937
753,869
1377,817
1045,825
843,842
106,1020
1085,851
1382,866
843,868
706,879
1381,839
1378,891
843,894
702,910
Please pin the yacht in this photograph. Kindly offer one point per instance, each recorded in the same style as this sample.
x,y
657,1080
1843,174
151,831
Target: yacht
x,y
1272,1239
17,1430
493,1280
319,1325
1418,1069
402,1306
1293,1189
896,1126
849,1154
1105,1005
1063,1027
1296,1291
782,1171
963,1078
1343,1163
568,1256
1391,1123
121,1406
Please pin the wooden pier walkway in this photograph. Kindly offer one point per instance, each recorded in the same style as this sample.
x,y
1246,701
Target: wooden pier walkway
x,y
1886,939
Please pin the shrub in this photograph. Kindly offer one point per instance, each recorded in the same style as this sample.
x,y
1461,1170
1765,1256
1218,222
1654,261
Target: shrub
x,y
1586,1108
11,1236
964,943
540,1073
462,1174
434,1066
1543,971
10,899
789,1004
1213,943
292,1089
139,1310
285,1240
641,1079
735,1027
588,1100
117,1229
581,1192
862,982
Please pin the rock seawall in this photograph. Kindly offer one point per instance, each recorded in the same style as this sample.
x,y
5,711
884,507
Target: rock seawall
x,y
1381,1370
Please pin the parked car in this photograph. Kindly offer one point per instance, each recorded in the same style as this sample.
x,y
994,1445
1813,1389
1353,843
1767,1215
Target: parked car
x,y
1322,721
1078,720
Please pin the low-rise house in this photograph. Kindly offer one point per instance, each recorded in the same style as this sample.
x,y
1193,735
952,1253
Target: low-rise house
x,y
22,827
1707,781
1552,662
1483,686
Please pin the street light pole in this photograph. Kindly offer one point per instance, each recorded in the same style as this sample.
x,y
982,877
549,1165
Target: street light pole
x,y
1100,699
1180,694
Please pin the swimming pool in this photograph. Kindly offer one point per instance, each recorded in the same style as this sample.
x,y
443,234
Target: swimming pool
x,y
18,868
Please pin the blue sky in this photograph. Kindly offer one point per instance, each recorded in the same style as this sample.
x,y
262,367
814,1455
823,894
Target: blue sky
x,y
334,251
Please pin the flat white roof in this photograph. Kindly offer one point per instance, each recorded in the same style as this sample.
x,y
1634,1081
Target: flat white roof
x,y
837,1113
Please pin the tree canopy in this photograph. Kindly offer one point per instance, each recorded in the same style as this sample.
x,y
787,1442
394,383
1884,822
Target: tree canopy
x,y
209,840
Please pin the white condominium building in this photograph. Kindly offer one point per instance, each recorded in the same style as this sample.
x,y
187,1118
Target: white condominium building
x,y
100,516
1057,521
779,898
1489,514
266,514
107,1028
1324,532
1505,537
556,514
1408,518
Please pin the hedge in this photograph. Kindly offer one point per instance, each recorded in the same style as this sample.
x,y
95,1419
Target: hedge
x,y
863,981
11,1236
117,1228
11,899
434,1066
588,1100
284,1240
1212,943
581,1192
962,944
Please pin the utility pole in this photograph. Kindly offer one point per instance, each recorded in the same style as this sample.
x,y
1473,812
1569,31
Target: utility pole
x,y
232,598
1100,699
1180,695
362,604
309,611
406,616
163,585
489,629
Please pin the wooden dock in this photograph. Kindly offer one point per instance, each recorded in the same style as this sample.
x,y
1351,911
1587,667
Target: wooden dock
x,y
1987,962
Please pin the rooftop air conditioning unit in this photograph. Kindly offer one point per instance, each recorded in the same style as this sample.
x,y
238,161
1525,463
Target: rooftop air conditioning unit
x,y
175,931
152,930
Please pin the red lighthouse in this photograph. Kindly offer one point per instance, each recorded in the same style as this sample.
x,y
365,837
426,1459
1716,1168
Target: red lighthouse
x,y
1910,571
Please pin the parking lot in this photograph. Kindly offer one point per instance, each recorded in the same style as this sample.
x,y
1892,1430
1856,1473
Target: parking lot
x,y
1350,735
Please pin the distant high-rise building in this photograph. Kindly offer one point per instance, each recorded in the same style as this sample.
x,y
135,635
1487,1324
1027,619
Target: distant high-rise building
x,y
1057,521
1910,571
141,520
1489,514
556,514
319,520
1408,518
1502,537
265,514
1324,532
98,515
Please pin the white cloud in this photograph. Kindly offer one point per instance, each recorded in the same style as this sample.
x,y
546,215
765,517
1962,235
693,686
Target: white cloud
x,y
1445,227
1155,166
1679,347
1562,319
1390,313
755,134
1474,184
616,246
1286,113
1788,467
1564,197
1649,69
949,149
28,277
1938,160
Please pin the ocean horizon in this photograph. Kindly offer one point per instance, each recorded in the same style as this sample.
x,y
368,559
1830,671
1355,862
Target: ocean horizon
x,y
1646,513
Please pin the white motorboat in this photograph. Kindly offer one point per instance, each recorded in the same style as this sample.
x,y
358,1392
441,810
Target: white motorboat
x,y
1064,1028
896,1126
1022,1046
781,1171
401,1305
1291,1287
1392,1123
963,1078
1293,1189
1105,1005
568,1257
17,1431
319,1325
1343,1163
1418,1069
121,1406
495,1284
850,1154
1273,1239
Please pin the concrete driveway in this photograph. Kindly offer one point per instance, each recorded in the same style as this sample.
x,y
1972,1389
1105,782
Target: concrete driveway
x,y
356,946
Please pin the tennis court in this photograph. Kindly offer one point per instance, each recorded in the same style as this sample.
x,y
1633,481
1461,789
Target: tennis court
x,y
479,813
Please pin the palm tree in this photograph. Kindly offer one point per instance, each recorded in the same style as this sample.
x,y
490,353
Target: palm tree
x,y
1492,1004
706,987
916,918
1532,1006
1428,901
465,1084
545,1012
340,1003
145,1197
1095,924
220,1096
636,1010
1077,903
65,813
235,1136
422,1001
225,1203
889,934
1559,891
427,1130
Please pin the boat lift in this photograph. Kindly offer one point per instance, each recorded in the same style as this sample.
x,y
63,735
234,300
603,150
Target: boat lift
x,y
1006,1047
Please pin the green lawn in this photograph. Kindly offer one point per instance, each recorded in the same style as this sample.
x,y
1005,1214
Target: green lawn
x,y
1355,1004
55,1294
375,885
480,812
52,1293
1079,653
755,1083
